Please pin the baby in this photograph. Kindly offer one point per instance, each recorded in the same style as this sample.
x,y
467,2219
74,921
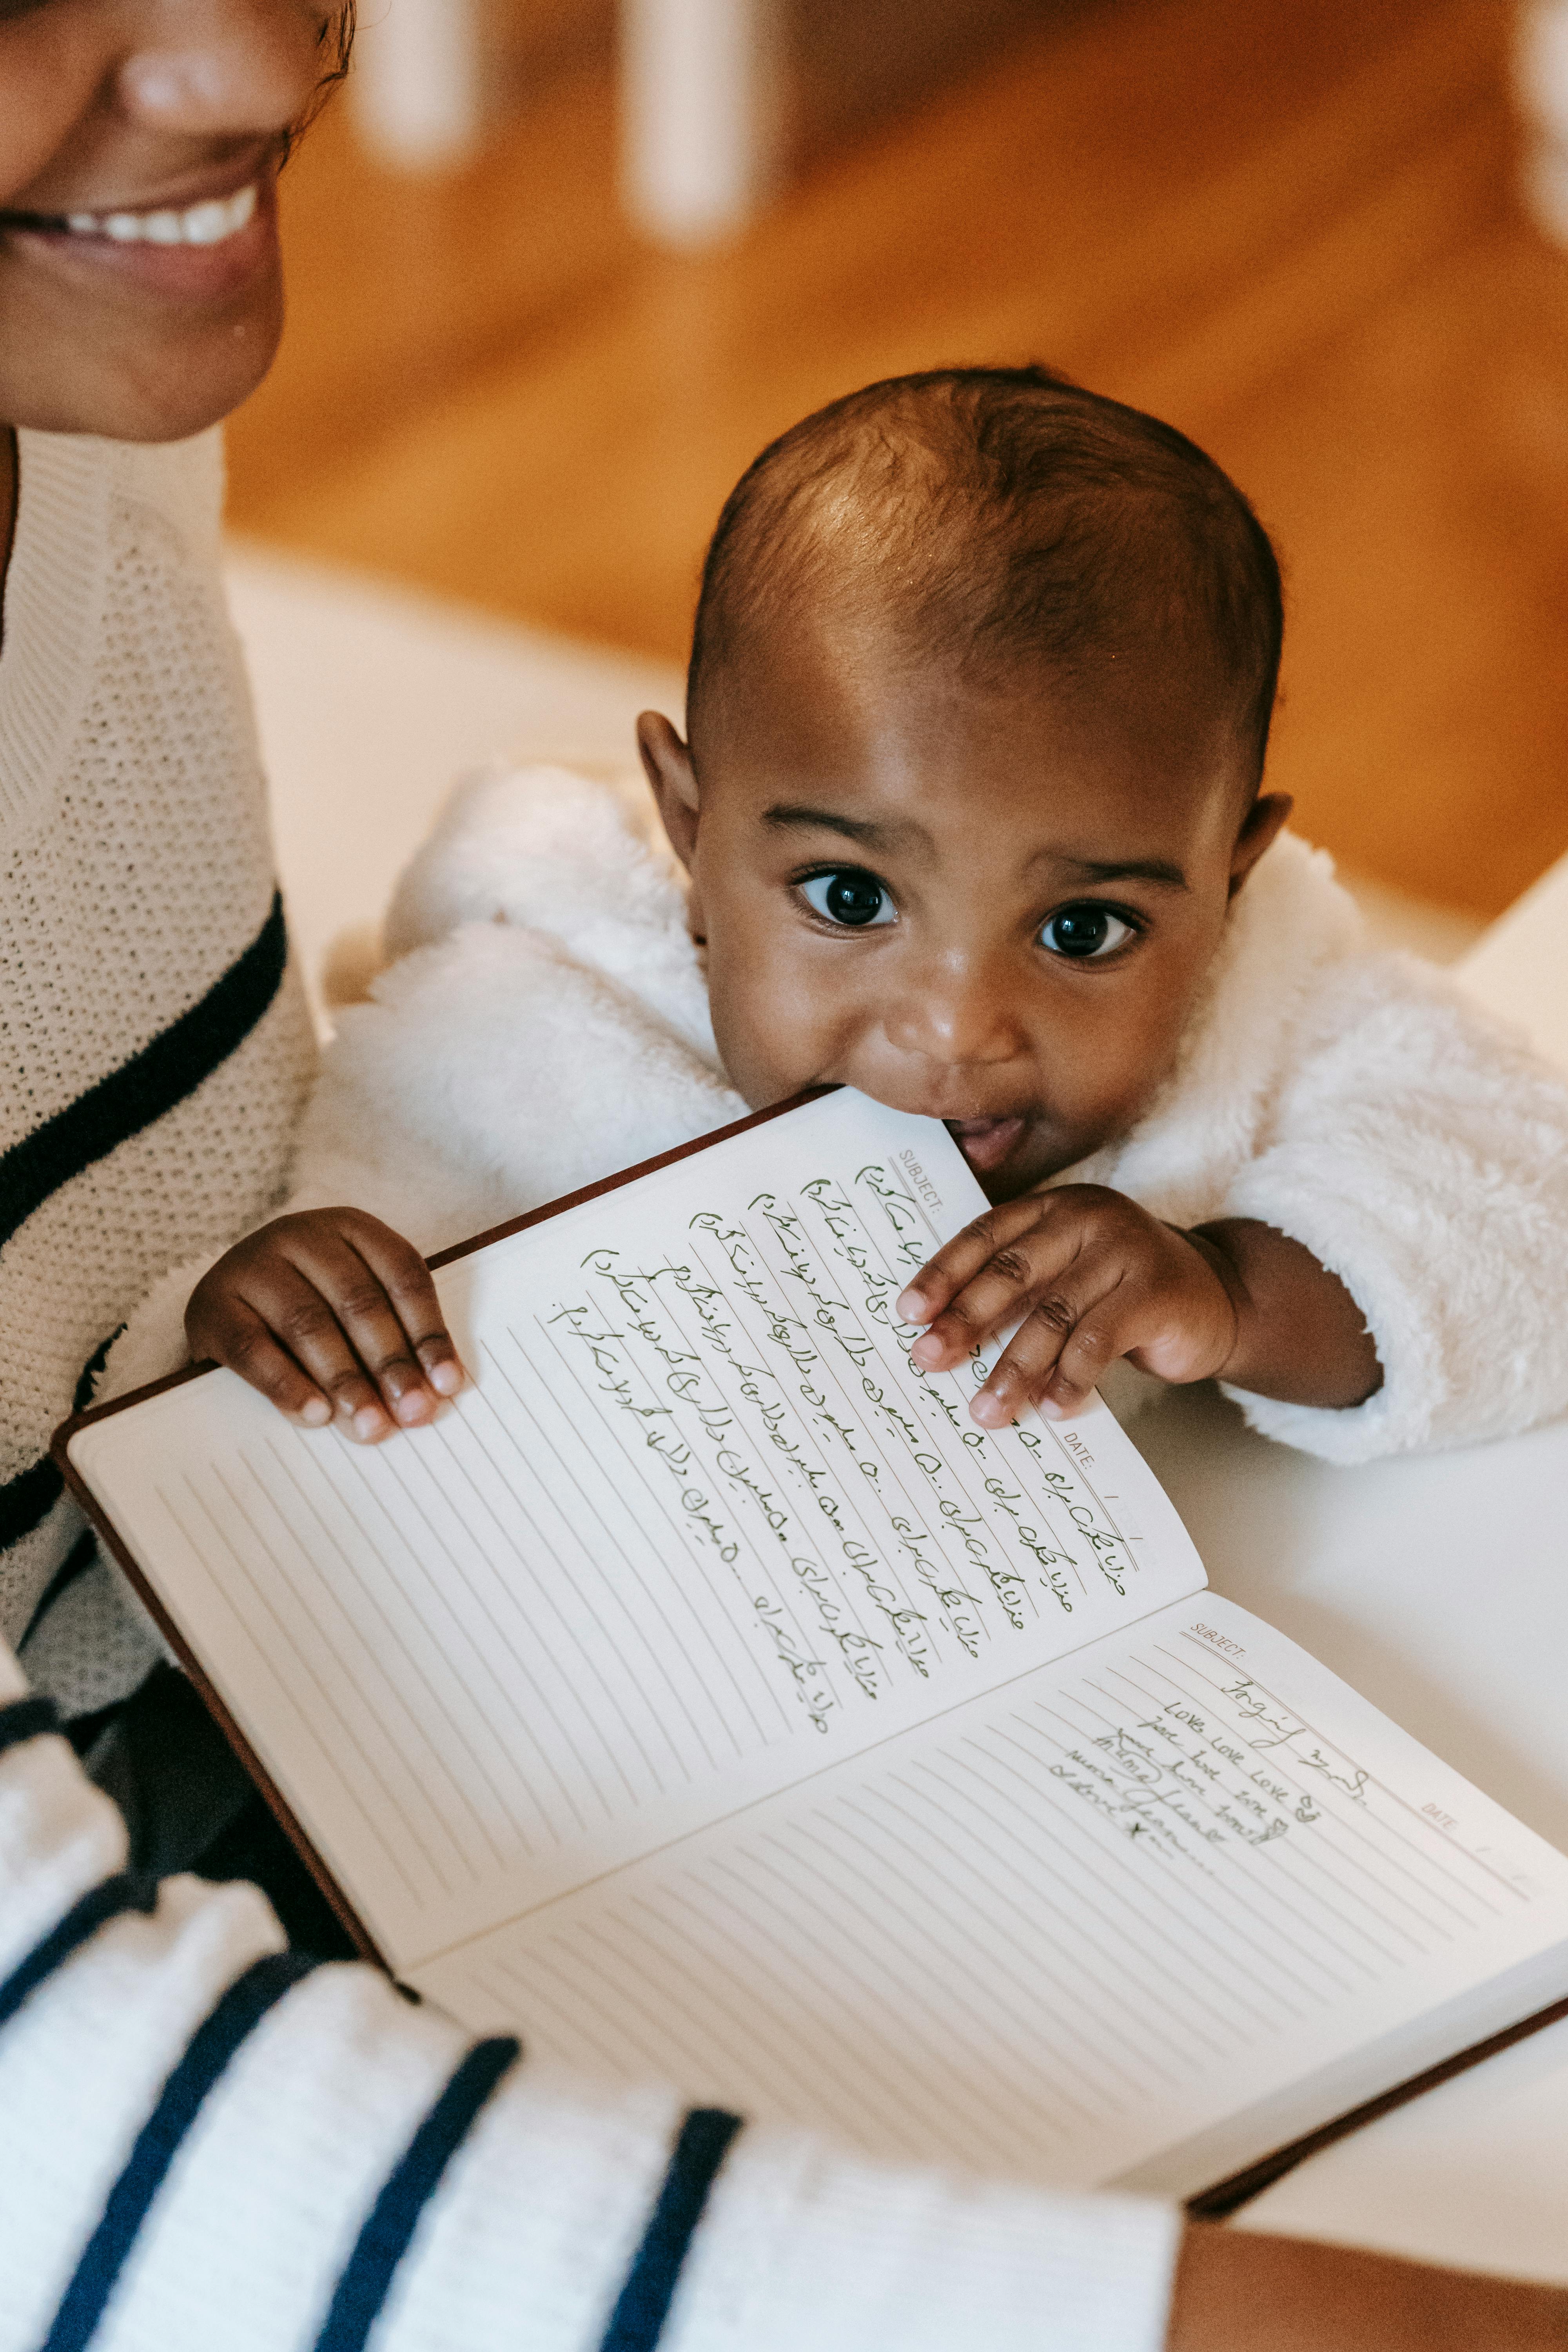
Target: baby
x,y
969,805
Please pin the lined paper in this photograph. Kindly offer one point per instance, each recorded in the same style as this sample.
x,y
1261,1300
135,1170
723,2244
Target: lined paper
x,y
698,1527
1061,1929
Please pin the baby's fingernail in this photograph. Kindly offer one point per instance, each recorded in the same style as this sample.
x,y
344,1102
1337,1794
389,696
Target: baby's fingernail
x,y
1051,1410
315,1412
369,1422
988,1409
446,1378
927,1350
411,1406
912,1306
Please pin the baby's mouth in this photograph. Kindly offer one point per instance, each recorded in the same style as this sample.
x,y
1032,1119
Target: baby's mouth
x,y
984,1142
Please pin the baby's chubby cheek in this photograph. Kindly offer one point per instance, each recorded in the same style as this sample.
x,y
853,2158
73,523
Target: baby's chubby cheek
x,y
778,1028
755,1027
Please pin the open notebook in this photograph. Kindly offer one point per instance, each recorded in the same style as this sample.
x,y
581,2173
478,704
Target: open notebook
x,y
704,1694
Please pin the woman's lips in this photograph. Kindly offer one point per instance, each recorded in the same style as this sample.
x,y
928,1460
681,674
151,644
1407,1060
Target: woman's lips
x,y
984,1142
200,252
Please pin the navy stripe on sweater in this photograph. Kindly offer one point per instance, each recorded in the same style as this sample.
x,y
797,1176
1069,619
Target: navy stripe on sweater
x,y
26,1500
130,1891
32,1494
643,2305
167,1069
26,1718
367,2275
214,2043
160,1076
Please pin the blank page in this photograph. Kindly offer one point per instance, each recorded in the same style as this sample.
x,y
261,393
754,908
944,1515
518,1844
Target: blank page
x,y
1068,1928
697,1527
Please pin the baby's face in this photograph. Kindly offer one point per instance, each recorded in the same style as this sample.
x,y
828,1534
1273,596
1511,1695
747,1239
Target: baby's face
x,y
992,908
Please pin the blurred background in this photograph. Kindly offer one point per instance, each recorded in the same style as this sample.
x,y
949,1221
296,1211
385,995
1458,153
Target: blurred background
x,y
559,267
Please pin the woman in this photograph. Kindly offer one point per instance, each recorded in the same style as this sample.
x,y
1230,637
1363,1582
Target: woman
x,y
210,2140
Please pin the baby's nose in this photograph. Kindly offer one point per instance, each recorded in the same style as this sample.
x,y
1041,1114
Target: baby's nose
x,y
954,1016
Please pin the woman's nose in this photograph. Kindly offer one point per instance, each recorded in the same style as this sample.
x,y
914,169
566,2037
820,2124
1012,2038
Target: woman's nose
x,y
956,1015
223,68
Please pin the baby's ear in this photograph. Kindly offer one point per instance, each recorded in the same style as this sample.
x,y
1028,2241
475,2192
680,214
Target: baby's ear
x,y
667,764
1260,828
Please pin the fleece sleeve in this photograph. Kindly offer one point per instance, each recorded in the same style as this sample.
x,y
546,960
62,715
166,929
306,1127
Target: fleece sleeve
x,y
209,2141
1422,1155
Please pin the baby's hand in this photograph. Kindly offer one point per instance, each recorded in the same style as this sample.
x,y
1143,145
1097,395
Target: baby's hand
x,y
1095,1277
329,1312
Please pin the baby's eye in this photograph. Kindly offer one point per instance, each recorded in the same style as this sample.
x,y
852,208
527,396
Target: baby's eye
x,y
849,895
1084,931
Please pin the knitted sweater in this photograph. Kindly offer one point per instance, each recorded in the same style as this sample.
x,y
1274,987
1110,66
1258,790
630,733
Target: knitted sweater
x,y
156,1050
547,1023
213,2146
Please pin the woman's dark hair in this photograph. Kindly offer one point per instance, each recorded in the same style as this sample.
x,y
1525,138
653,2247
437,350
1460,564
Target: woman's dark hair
x,y
335,40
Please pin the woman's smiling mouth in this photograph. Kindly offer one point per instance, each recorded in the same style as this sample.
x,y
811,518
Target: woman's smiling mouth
x,y
199,251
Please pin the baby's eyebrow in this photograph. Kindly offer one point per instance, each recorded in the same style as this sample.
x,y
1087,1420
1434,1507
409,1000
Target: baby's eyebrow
x,y
1126,869
854,828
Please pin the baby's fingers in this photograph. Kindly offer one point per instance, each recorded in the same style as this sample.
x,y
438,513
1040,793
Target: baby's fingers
x,y
276,1305
236,1334
1054,1358
983,1280
404,1277
375,1339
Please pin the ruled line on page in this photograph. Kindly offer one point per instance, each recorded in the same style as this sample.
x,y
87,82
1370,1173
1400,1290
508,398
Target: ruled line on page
x,y
1402,1802
581,1571
462,1729
577,1382
920,1505
1069,1459
1384,1860
657,1661
1260,1934
1020,1591
1026,1955
329,1707
464,1489
1344,1859
724,1654
1057,1840
1178,2003
455,1782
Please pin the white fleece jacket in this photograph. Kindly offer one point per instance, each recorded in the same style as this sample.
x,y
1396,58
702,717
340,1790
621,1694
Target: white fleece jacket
x,y
546,1023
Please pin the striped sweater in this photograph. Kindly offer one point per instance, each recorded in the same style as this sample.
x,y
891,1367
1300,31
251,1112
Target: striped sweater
x,y
212,2144
155,1047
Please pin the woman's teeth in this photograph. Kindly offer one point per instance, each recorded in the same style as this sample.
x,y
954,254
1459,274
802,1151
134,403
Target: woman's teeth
x,y
206,223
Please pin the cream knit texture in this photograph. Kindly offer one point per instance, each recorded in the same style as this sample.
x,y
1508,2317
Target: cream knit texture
x,y
529,2235
135,872
546,1023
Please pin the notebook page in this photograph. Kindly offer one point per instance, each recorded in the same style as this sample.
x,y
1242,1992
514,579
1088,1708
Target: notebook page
x,y
1061,1928
698,1524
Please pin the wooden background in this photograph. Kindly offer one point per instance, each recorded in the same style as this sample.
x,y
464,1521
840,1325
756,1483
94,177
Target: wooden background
x,y
1288,225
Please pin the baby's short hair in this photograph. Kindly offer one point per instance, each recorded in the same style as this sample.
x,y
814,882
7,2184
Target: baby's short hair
x,y
998,514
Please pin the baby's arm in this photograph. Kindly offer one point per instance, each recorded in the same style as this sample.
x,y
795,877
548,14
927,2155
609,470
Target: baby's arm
x,y
1096,1277
330,1314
